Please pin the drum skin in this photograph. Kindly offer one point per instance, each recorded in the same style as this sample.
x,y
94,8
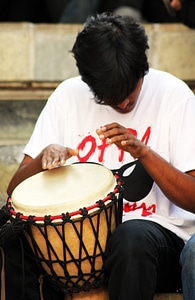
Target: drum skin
x,y
63,189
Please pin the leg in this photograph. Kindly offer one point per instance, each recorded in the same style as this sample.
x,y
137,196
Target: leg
x,y
129,11
188,269
142,258
76,11
132,8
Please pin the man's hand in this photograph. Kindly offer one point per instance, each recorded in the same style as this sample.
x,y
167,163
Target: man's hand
x,y
56,155
116,134
176,4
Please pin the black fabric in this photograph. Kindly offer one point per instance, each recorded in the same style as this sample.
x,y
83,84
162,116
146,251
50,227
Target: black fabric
x,y
143,259
156,12
22,275
187,14
23,10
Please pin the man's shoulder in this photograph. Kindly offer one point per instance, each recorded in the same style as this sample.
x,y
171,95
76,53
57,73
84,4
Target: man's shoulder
x,y
161,74
164,78
167,83
73,82
70,90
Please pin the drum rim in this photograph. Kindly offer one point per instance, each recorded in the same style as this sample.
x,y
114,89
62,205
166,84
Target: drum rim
x,y
82,211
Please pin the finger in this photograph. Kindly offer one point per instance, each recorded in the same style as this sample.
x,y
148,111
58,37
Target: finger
x,y
114,138
51,159
107,127
110,126
116,135
63,156
46,165
49,163
108,134
71,152
98,131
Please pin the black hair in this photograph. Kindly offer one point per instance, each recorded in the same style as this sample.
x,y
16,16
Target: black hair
x,y
110,54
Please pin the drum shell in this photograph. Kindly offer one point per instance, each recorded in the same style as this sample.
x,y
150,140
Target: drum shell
x,y
72,253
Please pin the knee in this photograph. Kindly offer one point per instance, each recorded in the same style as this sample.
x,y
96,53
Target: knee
x,y
130,239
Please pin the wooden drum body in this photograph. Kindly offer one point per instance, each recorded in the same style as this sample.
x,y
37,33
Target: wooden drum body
x,y
70,213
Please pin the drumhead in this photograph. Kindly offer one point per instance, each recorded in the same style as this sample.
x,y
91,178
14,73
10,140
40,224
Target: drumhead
x,y
63,189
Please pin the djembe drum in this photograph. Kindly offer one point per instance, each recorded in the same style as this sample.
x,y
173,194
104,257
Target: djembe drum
x,y
69,213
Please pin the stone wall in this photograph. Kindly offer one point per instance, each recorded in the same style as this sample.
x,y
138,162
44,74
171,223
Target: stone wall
x,y
33,52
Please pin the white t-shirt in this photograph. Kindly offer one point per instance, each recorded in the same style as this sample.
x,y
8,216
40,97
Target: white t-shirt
x,y
163,118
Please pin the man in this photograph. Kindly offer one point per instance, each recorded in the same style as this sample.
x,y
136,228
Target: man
x,y
139,122
158,11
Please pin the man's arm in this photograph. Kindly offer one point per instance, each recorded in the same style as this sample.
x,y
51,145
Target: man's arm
x,y
179,187
50,157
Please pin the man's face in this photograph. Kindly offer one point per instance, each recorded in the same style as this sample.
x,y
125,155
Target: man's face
x,y
129,103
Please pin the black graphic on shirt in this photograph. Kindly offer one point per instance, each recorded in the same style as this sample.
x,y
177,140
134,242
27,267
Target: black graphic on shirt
x,y
137,182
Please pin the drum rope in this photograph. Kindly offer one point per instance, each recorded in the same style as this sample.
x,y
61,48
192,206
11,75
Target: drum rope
x,y
4,217
9,230
118,190
75,286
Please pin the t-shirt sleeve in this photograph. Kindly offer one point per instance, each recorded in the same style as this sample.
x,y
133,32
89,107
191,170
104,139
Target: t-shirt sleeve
x,y
182,135
48,129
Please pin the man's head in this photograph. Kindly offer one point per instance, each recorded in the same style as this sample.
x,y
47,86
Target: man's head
x,y
110,53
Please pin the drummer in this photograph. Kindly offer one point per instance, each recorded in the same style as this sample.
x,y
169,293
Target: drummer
x,y
138,122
